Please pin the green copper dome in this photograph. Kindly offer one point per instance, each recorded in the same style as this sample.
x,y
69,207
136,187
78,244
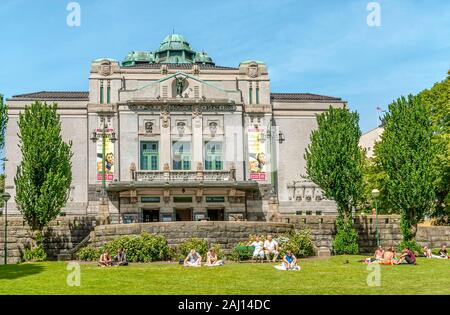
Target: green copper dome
x,y
173,49
138,57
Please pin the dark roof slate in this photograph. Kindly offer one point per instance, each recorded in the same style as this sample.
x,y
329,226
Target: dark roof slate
x,y
54,96
302,97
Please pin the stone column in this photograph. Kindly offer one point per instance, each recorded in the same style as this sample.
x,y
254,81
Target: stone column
x,y
165,143
197,137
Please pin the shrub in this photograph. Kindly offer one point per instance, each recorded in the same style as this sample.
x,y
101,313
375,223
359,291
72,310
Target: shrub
x,y
299,242
412,245
88,253
346,240
143,248
200,245
35,255
38,253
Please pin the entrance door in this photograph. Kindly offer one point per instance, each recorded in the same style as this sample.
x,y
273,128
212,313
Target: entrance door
x,y
150,215
216,214
183,214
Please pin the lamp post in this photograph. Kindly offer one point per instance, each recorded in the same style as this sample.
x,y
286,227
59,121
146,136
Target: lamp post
x,y
6,196
375,195
102,133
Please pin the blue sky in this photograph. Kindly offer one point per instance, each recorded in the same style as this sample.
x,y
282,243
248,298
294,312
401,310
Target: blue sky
x,y
323,47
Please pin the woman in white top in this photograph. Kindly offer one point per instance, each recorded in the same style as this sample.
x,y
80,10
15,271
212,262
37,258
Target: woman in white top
x,y
259,248
212,260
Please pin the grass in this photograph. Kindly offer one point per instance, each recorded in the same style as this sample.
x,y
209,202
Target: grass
x,y
318,276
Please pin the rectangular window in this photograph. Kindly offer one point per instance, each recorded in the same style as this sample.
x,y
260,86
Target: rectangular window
x,y
257,95
250,95
181,158
149,156
101,93
108,95
213,156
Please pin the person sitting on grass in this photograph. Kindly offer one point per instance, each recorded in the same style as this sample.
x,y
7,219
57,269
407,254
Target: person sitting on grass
x,y
289,262
388,257
259,249
212,260
271,248
379,253
105,260
193,259
443,252
407,257
121,258
378,256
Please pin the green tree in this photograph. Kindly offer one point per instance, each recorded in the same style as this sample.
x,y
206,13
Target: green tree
x,y
374,177
437,101
3,123
404,154
44,175
334,162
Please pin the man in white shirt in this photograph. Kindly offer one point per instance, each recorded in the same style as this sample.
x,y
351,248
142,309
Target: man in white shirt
x,y
259,250
271,248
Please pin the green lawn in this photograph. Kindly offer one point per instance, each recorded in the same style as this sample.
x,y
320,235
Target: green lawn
x,y
318,276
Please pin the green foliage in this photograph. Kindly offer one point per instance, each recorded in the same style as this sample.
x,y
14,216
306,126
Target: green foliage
x,y
37,253
437,101
412,245
374,177
299,242
3,121
142,248
44,175
346,240
334,162
200,245
404,153
88,253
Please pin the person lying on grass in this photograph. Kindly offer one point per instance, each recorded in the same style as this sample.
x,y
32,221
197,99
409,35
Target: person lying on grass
x,y
378,256
105,260
407,257
193,259
121,258
212,260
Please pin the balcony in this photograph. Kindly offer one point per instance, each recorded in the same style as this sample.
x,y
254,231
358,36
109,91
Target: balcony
x,y
199,175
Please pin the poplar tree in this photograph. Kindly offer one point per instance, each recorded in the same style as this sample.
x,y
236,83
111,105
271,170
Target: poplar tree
x,y
334,162
406,155
45,173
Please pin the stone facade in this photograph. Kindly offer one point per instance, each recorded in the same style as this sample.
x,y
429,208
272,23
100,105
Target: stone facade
x,y
185,139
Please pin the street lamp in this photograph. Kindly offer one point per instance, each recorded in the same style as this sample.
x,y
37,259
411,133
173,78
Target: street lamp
x,y
375,195
6,196
103,135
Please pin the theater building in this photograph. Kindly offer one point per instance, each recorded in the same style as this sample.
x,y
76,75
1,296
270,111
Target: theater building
x,y
182,139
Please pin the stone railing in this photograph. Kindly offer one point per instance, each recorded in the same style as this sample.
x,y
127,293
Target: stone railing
x,y
179,176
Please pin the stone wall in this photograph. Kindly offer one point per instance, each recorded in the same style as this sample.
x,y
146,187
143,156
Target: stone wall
x,y
323,230
65,233
62,234
227,234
